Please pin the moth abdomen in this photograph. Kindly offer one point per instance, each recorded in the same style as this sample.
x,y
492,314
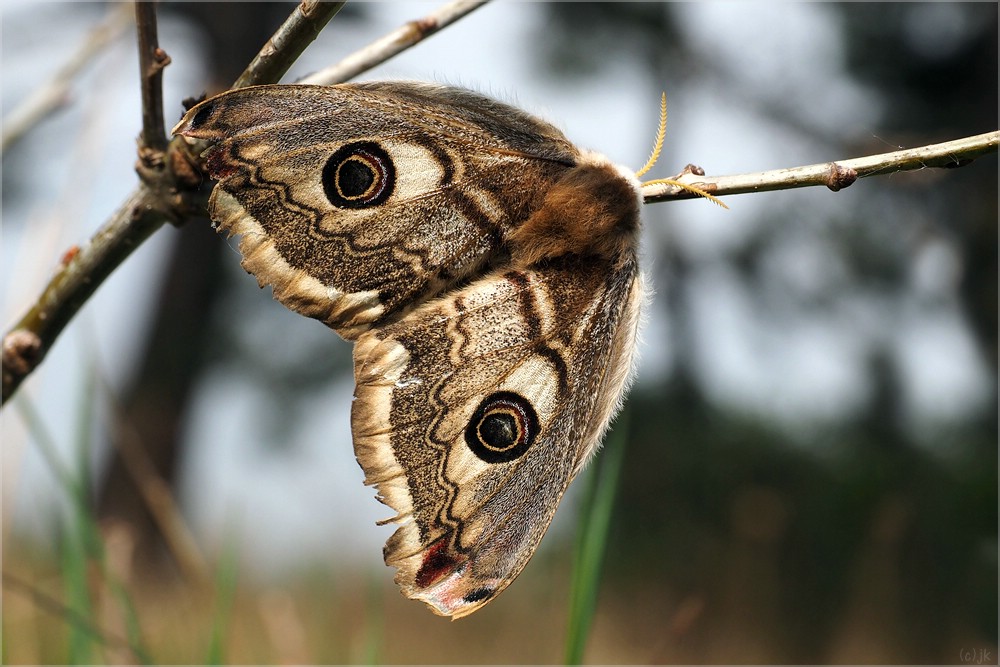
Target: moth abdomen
x,y
593,209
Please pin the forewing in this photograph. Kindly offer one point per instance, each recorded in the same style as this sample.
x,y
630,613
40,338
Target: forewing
x,y
461,171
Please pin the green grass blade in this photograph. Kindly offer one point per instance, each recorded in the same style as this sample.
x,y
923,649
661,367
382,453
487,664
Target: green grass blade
x,y
225,591
77,534
86,521
595,520
74,565
81,544
132,628
374,623
86,421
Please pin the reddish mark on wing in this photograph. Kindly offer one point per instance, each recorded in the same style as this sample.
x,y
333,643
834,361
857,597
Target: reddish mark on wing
x,y
437,562
218,166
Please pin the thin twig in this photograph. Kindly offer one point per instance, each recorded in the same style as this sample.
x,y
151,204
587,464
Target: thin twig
x,y
54,93
152,60
76,279
280,52
834,175
393,43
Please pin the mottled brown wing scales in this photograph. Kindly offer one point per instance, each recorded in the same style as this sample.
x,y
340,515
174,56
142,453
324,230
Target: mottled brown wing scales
x,y
295,287
459,188
484,519
486,269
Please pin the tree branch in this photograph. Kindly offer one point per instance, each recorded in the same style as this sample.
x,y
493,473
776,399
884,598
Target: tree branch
x,y
834,175
152,60
280,52
393,43
78,276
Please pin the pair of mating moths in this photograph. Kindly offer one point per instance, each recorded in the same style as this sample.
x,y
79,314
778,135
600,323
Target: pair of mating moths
x,y
485,269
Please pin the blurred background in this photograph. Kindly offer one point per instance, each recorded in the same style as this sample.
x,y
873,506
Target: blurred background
x,y
810,463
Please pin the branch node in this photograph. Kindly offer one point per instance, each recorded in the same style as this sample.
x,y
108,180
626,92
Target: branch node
x,y
22,350
840,177
150,158
424,26
149,166
159,62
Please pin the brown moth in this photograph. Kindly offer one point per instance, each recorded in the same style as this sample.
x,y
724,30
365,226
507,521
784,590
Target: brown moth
x,y
485,269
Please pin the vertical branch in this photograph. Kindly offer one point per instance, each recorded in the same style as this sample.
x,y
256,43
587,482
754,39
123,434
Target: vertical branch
x,y
152,60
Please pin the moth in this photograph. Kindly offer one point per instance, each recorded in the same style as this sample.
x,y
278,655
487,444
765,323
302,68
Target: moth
x,y
486,270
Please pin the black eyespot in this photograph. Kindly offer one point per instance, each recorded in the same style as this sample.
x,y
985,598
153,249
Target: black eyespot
x,y
478,594
359,175
502,428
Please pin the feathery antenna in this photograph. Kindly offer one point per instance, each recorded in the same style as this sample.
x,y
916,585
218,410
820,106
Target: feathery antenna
x,y
656,155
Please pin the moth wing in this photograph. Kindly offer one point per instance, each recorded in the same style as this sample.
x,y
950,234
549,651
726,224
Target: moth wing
x,y
452,173
547,352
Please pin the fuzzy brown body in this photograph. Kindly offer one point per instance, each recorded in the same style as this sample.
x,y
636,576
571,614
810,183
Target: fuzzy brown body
x,y
485,268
